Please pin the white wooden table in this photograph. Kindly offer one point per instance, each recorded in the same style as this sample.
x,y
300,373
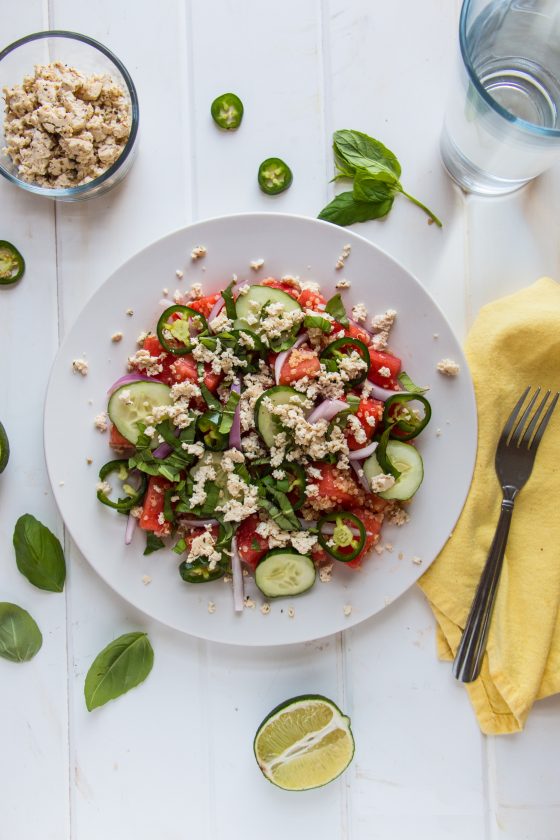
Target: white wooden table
x,y
173,759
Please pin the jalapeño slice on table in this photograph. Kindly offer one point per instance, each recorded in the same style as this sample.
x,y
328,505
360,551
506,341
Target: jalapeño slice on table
x,y
227,111
12,264
177,327
4,449
133,483
342,348
406,422
274,176
342,535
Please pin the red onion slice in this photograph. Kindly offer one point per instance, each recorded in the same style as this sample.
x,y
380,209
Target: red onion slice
x,y
237,577
216,309
361,477
307,524
381,393
326,410
131,524
130,377
162,451
365,452
281,358
198,523
235,431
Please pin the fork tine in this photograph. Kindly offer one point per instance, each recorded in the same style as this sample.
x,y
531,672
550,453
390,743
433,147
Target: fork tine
x,y
512,417
528,433
543,424
521,422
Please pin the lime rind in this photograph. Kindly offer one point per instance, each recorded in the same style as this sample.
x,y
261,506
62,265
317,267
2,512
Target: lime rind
x,y
304,743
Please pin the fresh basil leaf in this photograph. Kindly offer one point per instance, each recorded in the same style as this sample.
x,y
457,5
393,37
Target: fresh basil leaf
x,y
345,210
409,385
228,413
180,546
39,555
20,637
122,665
227,295
369,188
364,152
318,323
153,543
335,307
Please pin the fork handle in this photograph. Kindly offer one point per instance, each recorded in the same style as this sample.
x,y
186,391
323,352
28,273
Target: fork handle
x,y
468,659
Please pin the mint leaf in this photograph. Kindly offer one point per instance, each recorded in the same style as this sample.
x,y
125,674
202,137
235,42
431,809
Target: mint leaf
x,y
368,187
364,152
345,210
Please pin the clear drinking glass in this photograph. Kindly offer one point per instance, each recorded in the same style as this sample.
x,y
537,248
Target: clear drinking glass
x,y
502,122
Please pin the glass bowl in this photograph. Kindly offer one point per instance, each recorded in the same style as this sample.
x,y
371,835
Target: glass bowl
x,y
89,57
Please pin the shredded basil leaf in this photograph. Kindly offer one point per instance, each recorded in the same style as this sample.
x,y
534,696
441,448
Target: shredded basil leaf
x,y
408,385
335,307
153,543
318,323
227,295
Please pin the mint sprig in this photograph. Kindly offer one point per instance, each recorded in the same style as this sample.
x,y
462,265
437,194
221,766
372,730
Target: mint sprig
x,y
375,172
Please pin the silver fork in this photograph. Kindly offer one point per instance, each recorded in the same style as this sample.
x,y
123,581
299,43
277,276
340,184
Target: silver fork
x,y
515,456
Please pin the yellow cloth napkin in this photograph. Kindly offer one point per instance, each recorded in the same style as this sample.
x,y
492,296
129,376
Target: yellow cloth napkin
x,y
514,342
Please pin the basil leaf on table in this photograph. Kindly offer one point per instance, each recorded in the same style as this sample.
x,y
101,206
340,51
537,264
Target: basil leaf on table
x,y
20,637
39,555
368,187
122,665
345,210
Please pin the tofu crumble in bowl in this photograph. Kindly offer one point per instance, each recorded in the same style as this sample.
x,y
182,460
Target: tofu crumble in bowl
x,y
258,407
70,116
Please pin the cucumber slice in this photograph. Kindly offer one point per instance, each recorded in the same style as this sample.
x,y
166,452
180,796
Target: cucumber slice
x,y
4,448
408,461
247,304
143,397
283,573
267,424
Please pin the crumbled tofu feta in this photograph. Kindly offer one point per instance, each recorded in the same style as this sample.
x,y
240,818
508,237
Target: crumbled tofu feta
x,y
343,284
381,482
179,274
359,313
381,326
63,128
143,361
249,603
195,292
104,487
384,371
448,367
347,609
416,560
116,337
89,460
101,422
256,264
130,312
265,608
325,573
146,580
198,252
211,607
80,366
345,253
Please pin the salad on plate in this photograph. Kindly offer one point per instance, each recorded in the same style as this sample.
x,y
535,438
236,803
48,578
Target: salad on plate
x,y
260,430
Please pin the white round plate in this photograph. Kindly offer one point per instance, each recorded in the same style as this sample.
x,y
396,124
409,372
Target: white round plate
x,y
289,245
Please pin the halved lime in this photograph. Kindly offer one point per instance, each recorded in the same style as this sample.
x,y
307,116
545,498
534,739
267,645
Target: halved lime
x,y
304,743
4,448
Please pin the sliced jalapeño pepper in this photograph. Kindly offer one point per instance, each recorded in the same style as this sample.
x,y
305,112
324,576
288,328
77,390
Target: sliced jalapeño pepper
x,y
342,535
227,111
176,327
200,572
405,422
133,493
341,348
12,264
275,176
